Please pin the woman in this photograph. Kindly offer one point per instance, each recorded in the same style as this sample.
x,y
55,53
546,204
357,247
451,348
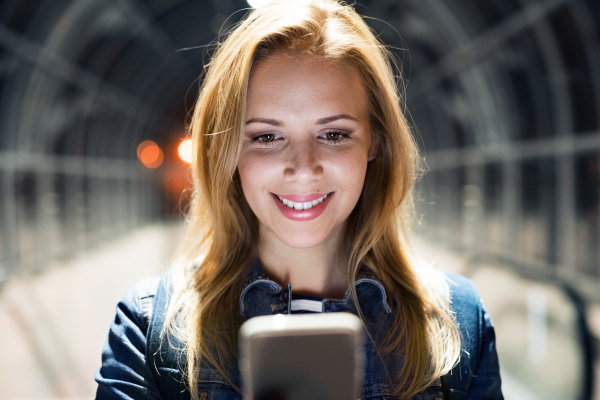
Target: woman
x,y
304,168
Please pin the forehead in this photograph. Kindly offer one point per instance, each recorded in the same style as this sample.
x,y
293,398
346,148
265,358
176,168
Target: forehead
x,y
297,83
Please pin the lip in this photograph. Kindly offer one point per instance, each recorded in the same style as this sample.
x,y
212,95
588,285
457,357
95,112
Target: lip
x,y
302,215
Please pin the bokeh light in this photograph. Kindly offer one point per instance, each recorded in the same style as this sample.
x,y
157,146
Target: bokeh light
x,y
150,154
185,150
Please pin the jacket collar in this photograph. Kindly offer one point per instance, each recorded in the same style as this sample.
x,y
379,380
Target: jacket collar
x,y
262,296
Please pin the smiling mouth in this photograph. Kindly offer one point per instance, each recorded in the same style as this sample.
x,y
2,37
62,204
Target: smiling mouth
x,y
302,205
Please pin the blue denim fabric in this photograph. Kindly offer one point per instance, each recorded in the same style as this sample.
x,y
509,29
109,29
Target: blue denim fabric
x,y
126,374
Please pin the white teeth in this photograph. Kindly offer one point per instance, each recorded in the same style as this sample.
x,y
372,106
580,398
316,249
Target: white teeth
x,y
301,205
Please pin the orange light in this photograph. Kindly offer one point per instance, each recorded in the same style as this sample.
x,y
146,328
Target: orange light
x,y
142,146
150,154
185,150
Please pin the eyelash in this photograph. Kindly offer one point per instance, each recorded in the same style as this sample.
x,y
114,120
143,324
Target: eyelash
x,y
257,139
260,138
342,138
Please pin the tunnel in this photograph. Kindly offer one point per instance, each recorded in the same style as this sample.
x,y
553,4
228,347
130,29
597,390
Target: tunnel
x,y
503,97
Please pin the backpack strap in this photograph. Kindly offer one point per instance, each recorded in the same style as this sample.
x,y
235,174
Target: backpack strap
x,y
466,305
163,360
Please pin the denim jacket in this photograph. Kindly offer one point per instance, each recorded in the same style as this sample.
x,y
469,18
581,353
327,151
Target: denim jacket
x,y
127,356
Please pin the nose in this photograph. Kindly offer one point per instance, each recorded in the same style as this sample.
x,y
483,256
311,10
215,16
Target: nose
x,y
304,165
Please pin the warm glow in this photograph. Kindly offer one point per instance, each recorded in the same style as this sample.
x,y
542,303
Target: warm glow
x,y
142,146
150,154
185,150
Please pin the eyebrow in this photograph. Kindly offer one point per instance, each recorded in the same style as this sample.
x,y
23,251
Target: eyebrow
x,y
273,122
327,120
322,121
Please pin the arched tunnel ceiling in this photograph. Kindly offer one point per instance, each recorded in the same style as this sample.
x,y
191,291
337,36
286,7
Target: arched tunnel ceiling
x,y
94,78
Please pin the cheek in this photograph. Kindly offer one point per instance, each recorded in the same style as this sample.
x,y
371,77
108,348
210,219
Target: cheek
x,y
255,174
350,170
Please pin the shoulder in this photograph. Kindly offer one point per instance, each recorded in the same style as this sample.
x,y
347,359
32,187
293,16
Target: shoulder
x,y
461,285
467,308
137,302
477,375
463,293
143,293
124,372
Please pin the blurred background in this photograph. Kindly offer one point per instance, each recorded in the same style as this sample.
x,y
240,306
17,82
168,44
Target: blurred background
x,y
505,98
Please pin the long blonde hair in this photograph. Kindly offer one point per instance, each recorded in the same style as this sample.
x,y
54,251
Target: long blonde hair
x,y
222,231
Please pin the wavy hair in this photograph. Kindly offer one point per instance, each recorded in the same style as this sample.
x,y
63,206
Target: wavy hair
x,y
222,231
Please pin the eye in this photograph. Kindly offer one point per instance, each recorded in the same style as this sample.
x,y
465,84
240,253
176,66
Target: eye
x,y
269,137
265,138
333,135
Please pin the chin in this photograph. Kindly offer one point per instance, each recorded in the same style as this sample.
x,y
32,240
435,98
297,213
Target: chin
x,y
302,241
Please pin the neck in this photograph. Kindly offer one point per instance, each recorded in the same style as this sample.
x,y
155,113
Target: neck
x,y
316,271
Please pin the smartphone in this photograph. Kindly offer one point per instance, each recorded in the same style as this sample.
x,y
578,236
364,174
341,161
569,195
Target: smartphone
x,y
301,357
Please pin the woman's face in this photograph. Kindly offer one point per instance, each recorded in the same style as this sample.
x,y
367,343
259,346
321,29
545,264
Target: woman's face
x,y
307,141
